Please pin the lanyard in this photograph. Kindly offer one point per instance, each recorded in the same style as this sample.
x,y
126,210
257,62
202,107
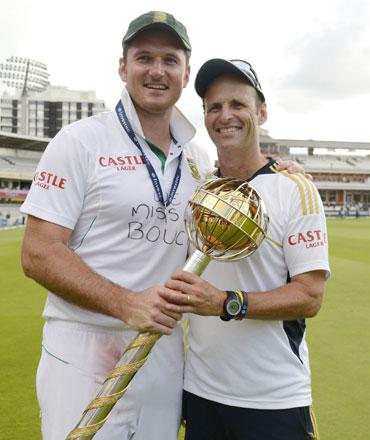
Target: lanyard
x,y
151,171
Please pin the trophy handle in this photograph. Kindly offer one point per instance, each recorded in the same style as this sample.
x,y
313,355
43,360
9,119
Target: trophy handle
x,y
116,384
197,262
114,387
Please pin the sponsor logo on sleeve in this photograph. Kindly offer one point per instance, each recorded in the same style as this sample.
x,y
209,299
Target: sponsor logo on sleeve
x,y
311,238
47,180
121,163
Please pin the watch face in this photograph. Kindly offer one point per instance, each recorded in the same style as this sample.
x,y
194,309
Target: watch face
x,y
233,307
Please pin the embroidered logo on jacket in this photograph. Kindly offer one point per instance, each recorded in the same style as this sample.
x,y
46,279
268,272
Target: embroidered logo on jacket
x,y
193,168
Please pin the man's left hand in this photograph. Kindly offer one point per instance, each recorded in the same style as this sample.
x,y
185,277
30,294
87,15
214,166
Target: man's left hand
x,y
193,295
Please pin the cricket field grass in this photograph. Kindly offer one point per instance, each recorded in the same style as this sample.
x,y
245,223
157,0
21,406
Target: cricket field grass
x,y
338,337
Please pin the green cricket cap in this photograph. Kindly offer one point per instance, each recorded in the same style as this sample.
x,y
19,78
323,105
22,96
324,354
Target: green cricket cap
x,y
157,19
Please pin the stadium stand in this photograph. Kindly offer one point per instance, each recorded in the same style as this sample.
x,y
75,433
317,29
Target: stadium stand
x,y
19,156
340,170
342,180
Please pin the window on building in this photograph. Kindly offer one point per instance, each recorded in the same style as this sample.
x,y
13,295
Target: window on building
x,y
332,196
357,198
323,195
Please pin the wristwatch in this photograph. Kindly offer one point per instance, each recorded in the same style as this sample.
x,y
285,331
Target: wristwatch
x,y
232,306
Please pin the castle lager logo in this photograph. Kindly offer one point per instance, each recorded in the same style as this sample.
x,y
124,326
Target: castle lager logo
x,y
310,238
121,163
47,180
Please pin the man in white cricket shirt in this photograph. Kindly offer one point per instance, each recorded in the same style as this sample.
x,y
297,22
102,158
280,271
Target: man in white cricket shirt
x,y
104,232
247,375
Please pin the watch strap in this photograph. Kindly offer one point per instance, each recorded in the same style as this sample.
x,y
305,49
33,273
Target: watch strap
x,y
225,315
242,297
243,311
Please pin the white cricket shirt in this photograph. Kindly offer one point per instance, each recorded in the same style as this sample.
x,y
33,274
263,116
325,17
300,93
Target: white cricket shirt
x,y
92,179
258,363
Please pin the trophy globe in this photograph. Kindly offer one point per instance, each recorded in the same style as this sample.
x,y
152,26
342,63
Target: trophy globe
x,y
226,220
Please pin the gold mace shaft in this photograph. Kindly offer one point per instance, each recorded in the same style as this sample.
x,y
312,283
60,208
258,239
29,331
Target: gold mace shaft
x,y
114,387
133,358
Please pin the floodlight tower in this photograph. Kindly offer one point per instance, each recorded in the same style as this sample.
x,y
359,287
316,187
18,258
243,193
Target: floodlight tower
x,y
27,75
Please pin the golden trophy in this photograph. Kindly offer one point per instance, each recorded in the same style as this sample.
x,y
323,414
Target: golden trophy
x,y
225,220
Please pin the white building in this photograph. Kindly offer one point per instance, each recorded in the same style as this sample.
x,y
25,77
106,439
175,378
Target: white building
x,y
47,111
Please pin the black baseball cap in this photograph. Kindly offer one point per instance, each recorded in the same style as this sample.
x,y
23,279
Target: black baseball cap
x,y
216,67
158,19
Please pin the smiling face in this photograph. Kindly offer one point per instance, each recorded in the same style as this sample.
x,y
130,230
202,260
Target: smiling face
x,y
233,113
155,70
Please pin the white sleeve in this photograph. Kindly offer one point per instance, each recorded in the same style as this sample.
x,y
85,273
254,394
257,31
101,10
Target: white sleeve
x,y
305,241
60,182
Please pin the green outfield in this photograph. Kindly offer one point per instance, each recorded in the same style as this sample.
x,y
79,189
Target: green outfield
x,y
338,337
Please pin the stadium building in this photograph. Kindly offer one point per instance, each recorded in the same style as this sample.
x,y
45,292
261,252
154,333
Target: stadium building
x,y
341,175
48,111
340,170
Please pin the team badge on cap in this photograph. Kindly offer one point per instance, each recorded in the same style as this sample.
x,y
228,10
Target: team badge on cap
x,y
160,16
